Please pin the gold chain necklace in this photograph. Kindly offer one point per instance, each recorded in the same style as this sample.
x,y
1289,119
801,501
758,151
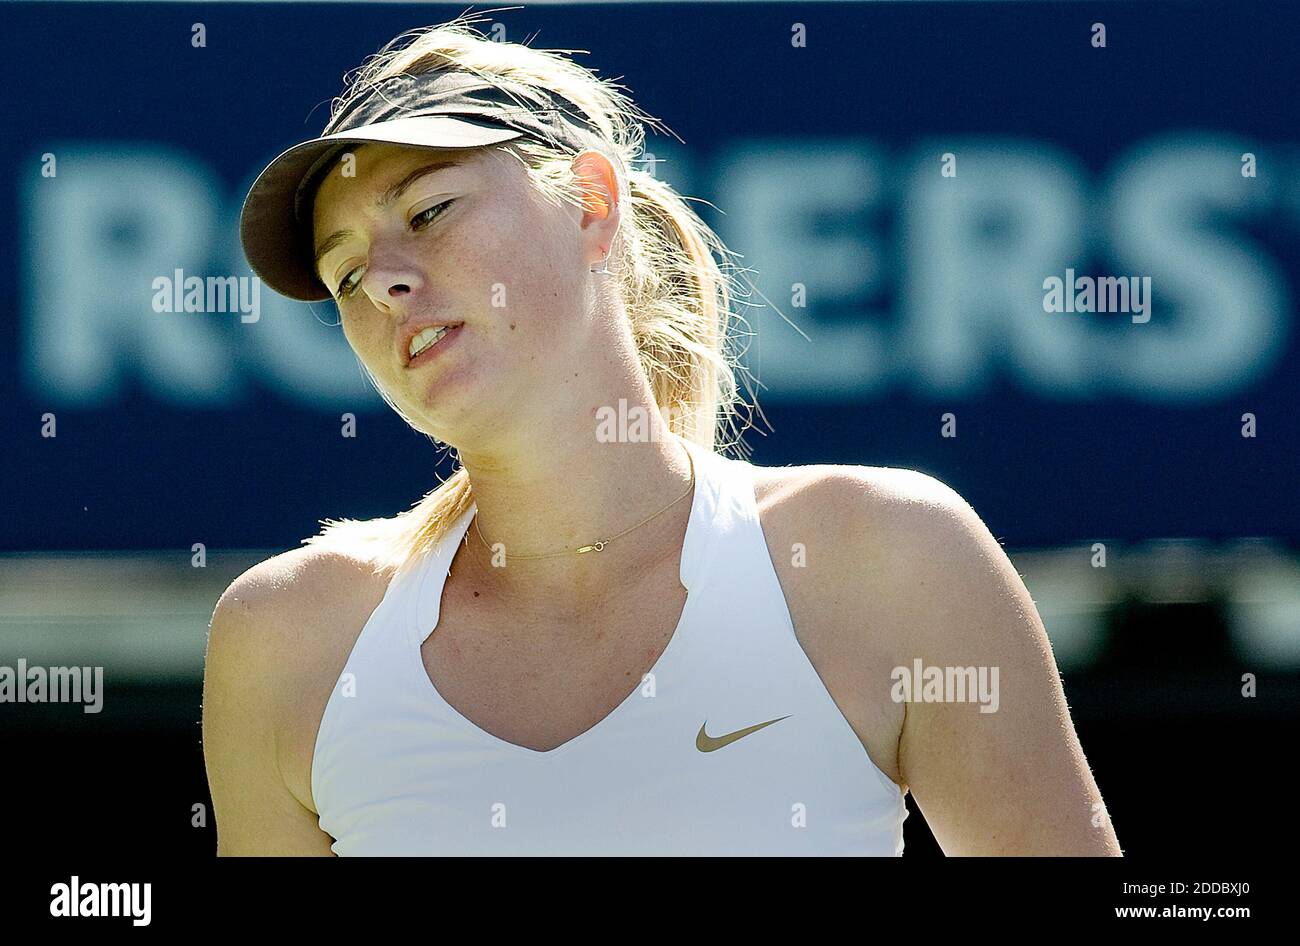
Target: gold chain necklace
x,y
599,546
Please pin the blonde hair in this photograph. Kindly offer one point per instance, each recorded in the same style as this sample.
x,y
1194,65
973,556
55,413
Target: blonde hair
x,y
677,295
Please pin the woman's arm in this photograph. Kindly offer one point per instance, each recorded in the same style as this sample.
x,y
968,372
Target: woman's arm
x,y
255,812
1010,780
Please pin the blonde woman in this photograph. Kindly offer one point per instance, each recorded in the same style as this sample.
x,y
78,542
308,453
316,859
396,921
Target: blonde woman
x,y
600,635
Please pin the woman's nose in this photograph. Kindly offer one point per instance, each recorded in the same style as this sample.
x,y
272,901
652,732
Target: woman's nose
x,y
390,279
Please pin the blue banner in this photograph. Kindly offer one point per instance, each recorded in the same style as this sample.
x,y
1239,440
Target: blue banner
x,y
1060,276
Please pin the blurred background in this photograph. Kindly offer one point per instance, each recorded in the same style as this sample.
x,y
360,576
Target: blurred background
x,y
1142,475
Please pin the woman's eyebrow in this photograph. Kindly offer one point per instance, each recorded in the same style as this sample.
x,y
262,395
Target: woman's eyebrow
x,y
384,200
400,187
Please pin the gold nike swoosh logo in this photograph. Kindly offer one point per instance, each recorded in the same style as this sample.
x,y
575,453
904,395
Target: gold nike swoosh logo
x,y
706,743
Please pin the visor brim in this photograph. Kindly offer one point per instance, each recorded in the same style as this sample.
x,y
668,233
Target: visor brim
x,y
278,246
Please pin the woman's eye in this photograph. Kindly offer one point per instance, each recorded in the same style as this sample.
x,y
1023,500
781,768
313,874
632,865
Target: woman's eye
x,y
348,286
421,220
426,217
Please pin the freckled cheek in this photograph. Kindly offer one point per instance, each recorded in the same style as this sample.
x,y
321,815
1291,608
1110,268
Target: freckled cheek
x,y
476,267
368,341
513,254
507,275
540,290
475,288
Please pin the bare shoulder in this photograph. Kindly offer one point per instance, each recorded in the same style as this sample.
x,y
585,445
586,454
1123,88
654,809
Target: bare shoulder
x,y
844,541
285,610
287,625
902,548
913,575
296,584
874,491
882,521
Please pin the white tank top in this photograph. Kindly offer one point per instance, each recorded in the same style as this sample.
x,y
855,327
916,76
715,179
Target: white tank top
x,y
397,771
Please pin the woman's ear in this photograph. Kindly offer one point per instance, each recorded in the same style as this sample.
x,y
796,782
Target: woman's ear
x,y
601,212
599,183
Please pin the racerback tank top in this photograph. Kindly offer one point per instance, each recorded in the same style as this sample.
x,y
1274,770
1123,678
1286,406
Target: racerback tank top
x,y
731,744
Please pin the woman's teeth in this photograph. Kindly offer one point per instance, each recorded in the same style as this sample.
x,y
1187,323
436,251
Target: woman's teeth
x,y
426,339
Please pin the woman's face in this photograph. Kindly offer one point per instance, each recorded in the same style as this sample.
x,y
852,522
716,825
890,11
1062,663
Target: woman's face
x,y
471,245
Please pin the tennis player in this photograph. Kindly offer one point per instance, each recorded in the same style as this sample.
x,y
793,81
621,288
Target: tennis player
x,y
601,634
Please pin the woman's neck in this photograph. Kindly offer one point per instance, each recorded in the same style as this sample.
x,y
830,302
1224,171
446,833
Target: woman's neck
x,y
577,491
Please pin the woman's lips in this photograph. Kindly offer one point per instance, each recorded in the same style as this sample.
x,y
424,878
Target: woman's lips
x,y
435,350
